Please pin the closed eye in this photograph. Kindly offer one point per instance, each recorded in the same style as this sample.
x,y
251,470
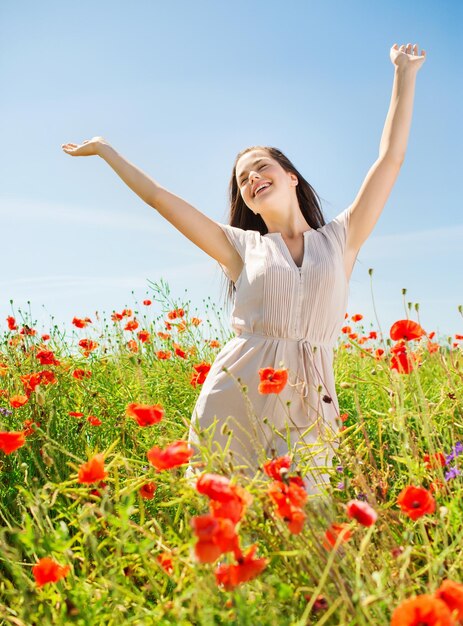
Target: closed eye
x,y
245,179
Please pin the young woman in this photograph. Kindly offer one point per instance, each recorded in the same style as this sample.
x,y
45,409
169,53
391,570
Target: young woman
x,y
289,272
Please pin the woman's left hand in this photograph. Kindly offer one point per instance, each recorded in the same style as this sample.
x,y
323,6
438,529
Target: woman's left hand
x,y
407,56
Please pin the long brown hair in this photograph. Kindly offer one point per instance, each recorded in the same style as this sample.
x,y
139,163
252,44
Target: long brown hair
x,y
242,217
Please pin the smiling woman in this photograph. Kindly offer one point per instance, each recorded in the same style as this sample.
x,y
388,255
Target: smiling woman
x,y
289,274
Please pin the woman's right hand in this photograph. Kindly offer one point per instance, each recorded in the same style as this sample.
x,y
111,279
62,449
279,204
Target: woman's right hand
x,y
89,147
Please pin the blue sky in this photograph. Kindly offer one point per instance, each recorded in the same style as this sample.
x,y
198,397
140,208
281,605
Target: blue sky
x,y
179,88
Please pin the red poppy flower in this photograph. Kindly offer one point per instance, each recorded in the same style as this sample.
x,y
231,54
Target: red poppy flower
x,y
94,421
81,374
202,370
416,502
132,345
357,317
362,512
179,352
18,401
272,381
47,570
145,414
422,610
165,561
406,330
175,454
247,568
45,337
164,355
11,441
143,336
46,357
452,594
162,335
93,470
87,346
11,323
148,490
131,325
402,360
335,531
215,487
214,343
26,330
147,302
116,317
75,414
127,313
81,323
276,467
216,536
435,460
234,508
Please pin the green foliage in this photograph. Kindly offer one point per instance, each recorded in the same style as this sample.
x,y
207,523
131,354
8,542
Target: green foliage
x,y
111,537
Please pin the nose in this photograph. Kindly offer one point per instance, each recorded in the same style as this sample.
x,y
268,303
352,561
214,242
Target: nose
x,y
251,176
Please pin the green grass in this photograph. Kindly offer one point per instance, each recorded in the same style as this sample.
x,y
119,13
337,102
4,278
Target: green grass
x,y
111,541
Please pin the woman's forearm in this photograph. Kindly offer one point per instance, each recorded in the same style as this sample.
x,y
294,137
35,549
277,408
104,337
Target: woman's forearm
x,y
139,182
399,117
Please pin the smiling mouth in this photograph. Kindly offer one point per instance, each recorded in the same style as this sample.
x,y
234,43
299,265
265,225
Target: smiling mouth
x,y
262,189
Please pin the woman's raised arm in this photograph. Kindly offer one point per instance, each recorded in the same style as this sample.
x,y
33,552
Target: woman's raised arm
x,y
196,226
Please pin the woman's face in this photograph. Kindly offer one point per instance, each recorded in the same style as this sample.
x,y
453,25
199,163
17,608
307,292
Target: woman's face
x,y
262,181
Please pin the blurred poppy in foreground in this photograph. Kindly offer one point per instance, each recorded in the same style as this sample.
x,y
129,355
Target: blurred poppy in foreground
x,y
47,570
175,454
422,610
362,512
247,568
93,470
11,441
145,414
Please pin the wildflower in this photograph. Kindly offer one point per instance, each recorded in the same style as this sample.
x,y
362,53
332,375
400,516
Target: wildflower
x,y
452,473
47,570
277,468
11,441
81,323
11,323
333,532
423,609
94,421
357,317
145,414
93,470
116,317
406,330
80,374
179,352
143,336
147,491
132,345
127,313
452,594
46,357
362,512
76,414
272,381
163,355
175,454
216,536
215,487
416,502
247,568
436,460
198,378
87,346
147,302
131,325
457,450
18,401
402,361
45,337
165,561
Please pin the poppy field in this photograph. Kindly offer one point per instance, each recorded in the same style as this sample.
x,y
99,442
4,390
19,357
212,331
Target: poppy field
x,y
100,525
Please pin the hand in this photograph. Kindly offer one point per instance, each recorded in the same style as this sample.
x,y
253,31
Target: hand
x,y
89,147
407,57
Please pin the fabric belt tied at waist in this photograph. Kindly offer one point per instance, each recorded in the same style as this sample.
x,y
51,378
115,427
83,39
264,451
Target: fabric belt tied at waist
x,y
305,349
